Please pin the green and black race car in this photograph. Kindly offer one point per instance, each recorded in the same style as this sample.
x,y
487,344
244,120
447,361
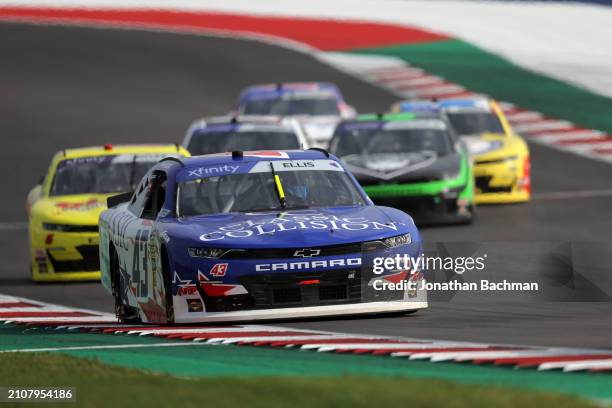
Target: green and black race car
x,y
410,161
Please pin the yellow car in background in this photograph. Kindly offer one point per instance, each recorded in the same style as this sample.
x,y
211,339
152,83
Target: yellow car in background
x,y
502,167
63,210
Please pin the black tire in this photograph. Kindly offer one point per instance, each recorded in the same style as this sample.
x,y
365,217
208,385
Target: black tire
x,y
167,273
124,312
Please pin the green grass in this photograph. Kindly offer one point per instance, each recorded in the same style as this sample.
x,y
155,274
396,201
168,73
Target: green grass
x,y
98,385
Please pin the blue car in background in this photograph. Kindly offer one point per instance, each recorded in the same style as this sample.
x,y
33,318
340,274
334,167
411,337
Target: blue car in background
x,y
246,132
254,236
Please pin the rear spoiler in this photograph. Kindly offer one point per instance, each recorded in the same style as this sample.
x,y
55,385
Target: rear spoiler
x,y
117,199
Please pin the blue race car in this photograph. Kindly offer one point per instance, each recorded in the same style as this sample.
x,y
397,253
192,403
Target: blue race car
x,y
317,106
253,236
226,134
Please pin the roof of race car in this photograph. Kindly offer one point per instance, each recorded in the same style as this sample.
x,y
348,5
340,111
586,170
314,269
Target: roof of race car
x,y
247,123
389,121
254,156
110,149
385,117
222,160
269,91
480,104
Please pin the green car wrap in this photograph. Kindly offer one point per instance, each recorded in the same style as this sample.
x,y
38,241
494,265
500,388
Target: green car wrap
x,y
409,161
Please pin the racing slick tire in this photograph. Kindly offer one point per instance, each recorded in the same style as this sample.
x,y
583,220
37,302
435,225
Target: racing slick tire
x,y
124,312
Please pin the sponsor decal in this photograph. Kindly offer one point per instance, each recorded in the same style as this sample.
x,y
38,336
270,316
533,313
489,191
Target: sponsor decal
x,y
267,154
80,206
218,269
194,305
218,288
164,236
307,252
213,171
253,228
187,290
298,164
300,265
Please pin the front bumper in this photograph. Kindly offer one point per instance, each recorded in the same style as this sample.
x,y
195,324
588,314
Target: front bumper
x,y
430,209
305,312
296,287
502,181
65,256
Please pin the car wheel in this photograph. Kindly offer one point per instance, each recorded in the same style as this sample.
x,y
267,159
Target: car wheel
x,y
125,313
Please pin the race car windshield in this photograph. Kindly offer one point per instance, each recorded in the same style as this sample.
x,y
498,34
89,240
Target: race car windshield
x,y
218,142
383,141
100,175
474,123
292,106
256,192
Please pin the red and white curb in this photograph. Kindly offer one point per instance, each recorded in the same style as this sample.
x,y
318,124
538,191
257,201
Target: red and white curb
x,y
38,314
15,309
409,82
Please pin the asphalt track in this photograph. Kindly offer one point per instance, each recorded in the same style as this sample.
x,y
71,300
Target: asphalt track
x,y
66,86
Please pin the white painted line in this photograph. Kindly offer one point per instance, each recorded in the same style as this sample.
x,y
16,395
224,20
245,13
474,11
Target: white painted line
x,y
95,326
543,125
395,73
469,355
576,365
523,116
404,84
203,330
105,347
438,90
360,63
230,340
587,147
376,346
51,306
83,319
31,310
554,137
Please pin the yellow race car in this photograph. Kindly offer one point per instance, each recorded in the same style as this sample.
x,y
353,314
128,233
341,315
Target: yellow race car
x,y
63,209
502,167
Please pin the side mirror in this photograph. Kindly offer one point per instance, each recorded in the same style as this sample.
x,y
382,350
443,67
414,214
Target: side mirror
x,y
117,199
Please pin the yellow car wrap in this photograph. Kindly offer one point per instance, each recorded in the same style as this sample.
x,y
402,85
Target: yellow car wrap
x,y
502,167
63,228
503,174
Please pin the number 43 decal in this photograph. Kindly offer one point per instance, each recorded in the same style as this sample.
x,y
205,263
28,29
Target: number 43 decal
x,y
140,264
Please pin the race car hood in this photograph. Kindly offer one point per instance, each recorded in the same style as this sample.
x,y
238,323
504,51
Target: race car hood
x,y
504,147
298,228
73,210
318,128
403,167
485,143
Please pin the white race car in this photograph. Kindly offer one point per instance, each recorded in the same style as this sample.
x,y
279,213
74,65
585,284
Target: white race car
x,y
318,106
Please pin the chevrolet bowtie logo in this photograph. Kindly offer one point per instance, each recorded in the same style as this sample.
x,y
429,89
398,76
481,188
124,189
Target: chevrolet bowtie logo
x,y
307,253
